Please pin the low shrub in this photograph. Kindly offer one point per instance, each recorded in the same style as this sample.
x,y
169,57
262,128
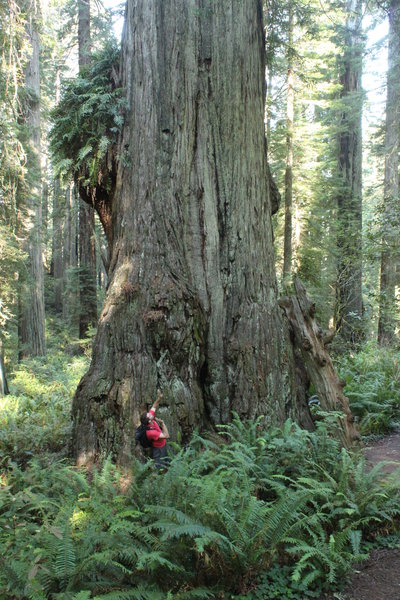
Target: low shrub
x,y
35,417
372,379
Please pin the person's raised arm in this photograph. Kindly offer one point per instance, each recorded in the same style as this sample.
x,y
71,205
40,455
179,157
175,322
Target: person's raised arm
x,y
157,400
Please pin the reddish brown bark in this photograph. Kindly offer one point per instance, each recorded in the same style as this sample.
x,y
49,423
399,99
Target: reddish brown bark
x,y
192,299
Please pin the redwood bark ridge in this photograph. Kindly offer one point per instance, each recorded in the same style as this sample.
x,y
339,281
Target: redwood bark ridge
x,y
192,301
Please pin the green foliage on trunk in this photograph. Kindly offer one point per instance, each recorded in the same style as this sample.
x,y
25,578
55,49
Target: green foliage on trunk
x,y
87,121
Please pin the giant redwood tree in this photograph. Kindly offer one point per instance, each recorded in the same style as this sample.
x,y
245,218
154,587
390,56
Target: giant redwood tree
x,y
192,301
349,280
390,217
31,303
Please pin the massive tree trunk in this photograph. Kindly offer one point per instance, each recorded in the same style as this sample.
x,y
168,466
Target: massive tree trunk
x,y
349,290
288,231
192,300
87,250
31,319
391,212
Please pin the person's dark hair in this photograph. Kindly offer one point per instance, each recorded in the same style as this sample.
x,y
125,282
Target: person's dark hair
x,y
144,419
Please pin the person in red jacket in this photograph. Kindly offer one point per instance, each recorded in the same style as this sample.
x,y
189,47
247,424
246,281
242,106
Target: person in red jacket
x,y
156,433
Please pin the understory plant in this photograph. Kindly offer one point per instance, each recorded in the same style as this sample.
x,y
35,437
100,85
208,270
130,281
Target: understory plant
x,y
35,416
372,379
234,516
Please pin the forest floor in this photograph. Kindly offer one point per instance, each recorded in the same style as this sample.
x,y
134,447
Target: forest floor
x,y
378,578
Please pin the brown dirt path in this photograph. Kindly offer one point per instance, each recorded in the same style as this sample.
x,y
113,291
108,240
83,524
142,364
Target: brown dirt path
x,y
378,578
385,449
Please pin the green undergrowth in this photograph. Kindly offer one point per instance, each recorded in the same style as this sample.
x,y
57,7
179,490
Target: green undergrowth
x,y
251,514
35,417
372,379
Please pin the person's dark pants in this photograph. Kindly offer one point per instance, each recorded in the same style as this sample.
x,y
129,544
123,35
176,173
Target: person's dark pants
x,y
160,457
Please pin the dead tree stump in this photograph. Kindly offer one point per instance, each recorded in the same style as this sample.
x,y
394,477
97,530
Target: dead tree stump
x,y
309,346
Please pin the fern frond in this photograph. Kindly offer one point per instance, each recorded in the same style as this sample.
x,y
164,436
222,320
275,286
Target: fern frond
x,y
64,557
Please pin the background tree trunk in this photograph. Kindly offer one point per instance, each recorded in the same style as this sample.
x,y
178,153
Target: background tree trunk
x,y
87,269
3,378
57,250
58,228
70,253
192,300
87,249
288,232
349,289
32,317
391,212
84,38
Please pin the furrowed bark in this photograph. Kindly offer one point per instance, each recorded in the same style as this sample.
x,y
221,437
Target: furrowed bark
x,y
192,300
32,317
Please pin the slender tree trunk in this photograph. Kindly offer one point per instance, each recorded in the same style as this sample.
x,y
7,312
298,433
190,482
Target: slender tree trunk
x,y
87,269
391,213
45,204
84,37
87,249
70,253
268,108
268,99
58,227
288,231
3,379
349,289
32,319
58,242
192,299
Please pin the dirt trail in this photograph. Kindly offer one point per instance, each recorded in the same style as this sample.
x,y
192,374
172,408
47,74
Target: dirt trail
x,y
386,449
378,578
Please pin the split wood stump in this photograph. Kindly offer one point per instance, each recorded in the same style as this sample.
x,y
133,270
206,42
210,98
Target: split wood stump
x,y
309,345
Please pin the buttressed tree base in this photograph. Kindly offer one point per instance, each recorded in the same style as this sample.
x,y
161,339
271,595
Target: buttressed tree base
x,y
192,300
